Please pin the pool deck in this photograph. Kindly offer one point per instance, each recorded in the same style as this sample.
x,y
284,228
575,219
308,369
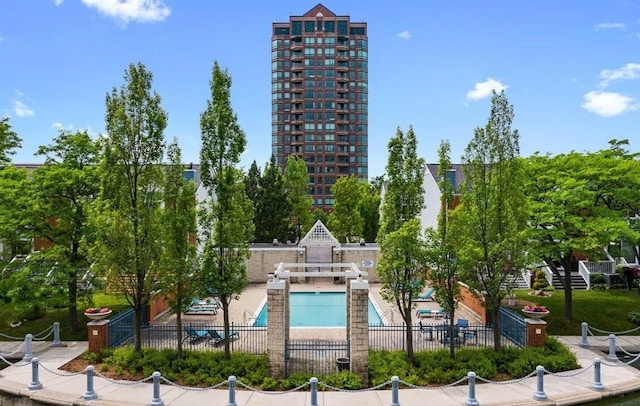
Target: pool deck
x,y
247,307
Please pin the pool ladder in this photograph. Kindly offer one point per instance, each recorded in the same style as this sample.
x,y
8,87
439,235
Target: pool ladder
x,y
252,317
388,311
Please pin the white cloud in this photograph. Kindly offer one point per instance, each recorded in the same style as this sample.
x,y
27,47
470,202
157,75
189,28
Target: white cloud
x,y
608,104
142,11
404,34
58,2
627,72
483,89
609,26
21,109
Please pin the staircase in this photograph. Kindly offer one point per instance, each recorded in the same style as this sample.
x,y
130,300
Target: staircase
x,y
576,282
515,282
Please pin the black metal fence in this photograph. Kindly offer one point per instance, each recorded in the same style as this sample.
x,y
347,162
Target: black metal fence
x,y
200,336
318,357
433,336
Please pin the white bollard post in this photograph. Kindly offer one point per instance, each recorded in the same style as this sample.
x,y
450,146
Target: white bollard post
x,y
56,335
28,348
90,394
156,401
539,394
612,348
232,391
472,401
35,380
597,384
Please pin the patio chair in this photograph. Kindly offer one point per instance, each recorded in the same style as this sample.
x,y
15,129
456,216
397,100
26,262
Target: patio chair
x,y
220,337
194,335
426,330
428,295
465,332
456,335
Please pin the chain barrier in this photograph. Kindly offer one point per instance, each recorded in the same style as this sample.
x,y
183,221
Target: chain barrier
x,y
333,388
613,332
569,374
410,385
517,380
266,392
15,352
41,336
121,382
628,353
192,389
61,373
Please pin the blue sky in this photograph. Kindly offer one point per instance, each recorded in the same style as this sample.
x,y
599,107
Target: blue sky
x,y
571,68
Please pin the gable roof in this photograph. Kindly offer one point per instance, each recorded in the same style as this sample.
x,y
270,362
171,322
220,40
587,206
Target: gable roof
x,y
319,235
321,10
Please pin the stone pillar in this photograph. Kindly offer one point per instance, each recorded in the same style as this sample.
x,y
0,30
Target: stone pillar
x,y
358,328
98,335
536,332
277,326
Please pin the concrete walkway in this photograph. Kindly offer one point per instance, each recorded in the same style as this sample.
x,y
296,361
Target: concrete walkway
x,y
62,388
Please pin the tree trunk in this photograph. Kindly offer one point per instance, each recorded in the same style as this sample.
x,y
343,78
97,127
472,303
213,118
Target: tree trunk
x,y
408,323
452,346
225,315
74,325
497,335
138,327
179,332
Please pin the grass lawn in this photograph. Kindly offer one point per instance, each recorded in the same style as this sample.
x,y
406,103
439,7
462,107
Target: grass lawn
x,y
116,303
604,310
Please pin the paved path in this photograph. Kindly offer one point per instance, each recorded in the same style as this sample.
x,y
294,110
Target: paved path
x,y
574,387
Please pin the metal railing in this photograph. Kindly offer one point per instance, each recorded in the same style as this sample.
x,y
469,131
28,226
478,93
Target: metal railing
x,y
434,336
513,327
316,357
583,270
604,267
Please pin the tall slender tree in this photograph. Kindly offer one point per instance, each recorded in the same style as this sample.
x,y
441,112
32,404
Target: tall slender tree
x,y
296,182
226,219
63,188
9,142
272,206
402,257
493,209
346,220
443,267
179,230
126,216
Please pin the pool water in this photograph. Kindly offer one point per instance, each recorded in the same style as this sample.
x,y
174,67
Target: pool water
x,y
318,309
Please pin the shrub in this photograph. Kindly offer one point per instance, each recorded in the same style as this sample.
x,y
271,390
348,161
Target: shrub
x,y
343,380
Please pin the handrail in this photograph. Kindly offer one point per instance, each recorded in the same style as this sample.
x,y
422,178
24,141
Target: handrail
x,y
384,313
251,314
583,270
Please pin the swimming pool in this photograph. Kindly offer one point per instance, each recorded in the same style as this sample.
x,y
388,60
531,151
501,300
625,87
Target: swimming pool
x,y
318,309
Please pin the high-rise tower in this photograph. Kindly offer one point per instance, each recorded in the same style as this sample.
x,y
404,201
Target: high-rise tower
x,y
319,97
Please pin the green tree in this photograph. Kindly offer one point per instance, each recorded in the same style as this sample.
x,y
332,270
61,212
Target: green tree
x,y
346,221
442,244
15,205
226,220
63,188
295,183
577,205
13,199
403,252
251,183
400,266
9,142
179,227
493,209
370,212
126,216
272,207
319,214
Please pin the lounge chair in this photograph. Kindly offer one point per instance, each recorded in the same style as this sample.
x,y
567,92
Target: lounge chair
x,y
428,295
220,337
194,335
429,313
202,307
